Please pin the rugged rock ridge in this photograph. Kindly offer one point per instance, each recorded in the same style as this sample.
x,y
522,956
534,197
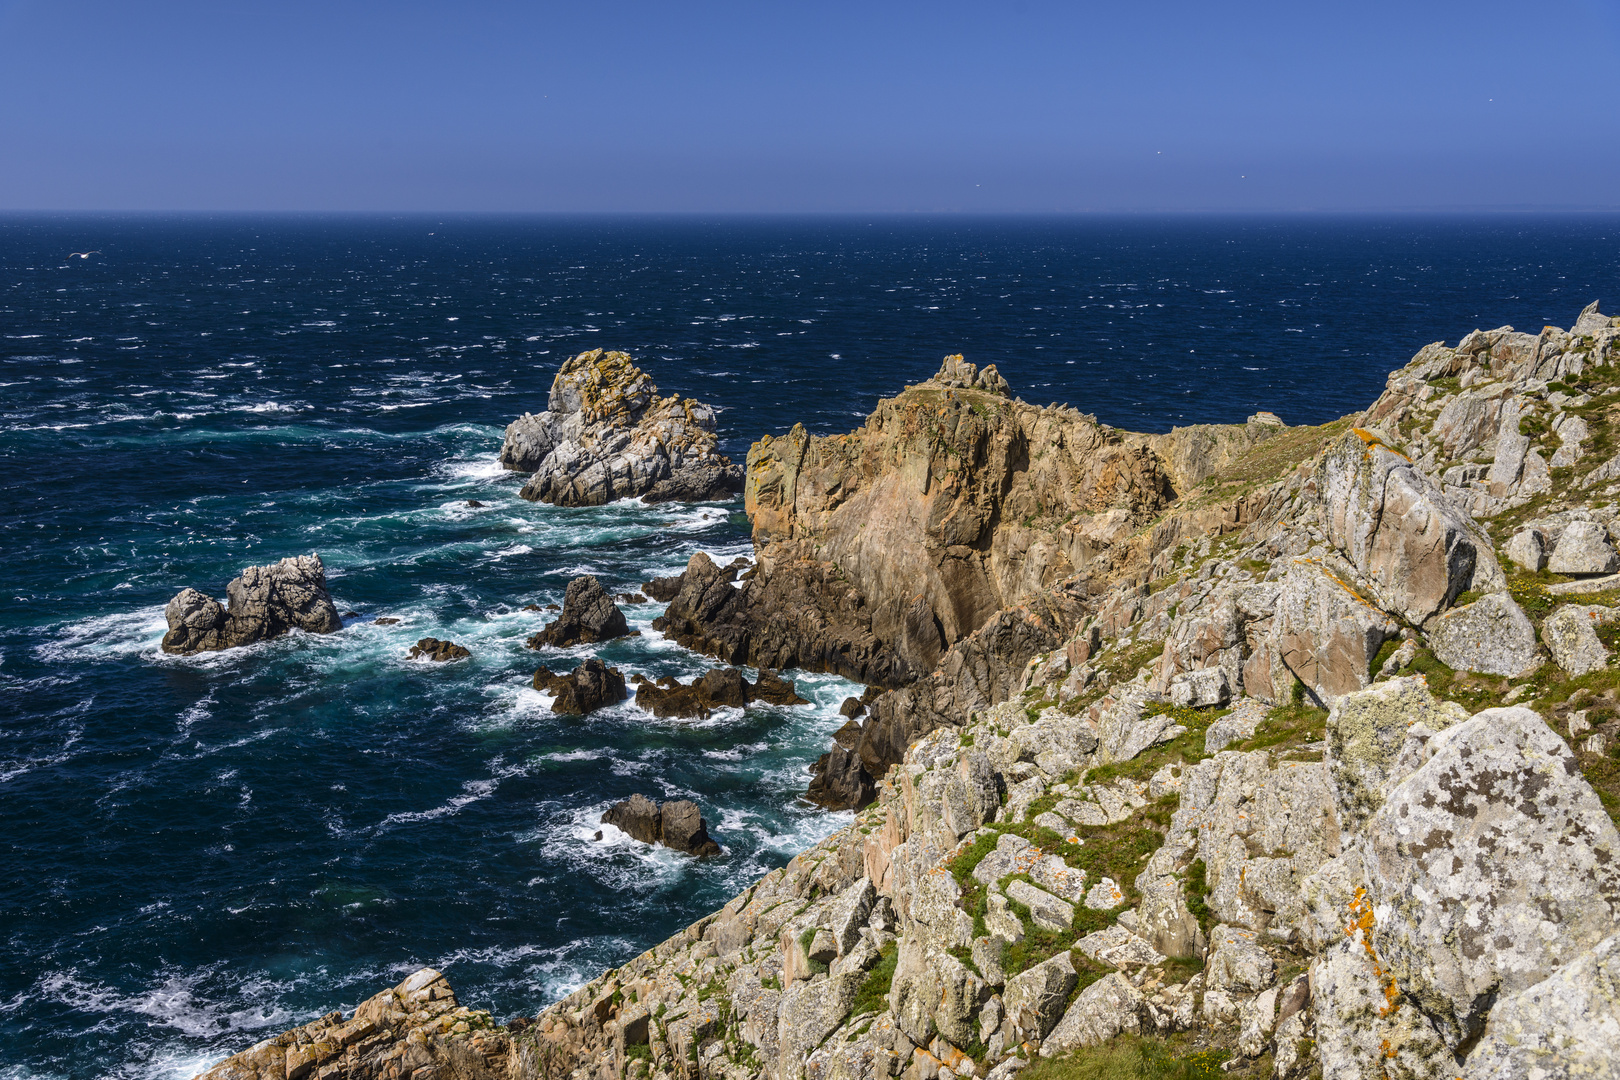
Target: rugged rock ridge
x,y
264,602
1418,878
606,435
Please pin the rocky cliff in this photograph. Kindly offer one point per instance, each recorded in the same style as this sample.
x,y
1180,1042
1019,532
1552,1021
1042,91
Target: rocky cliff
x,y
1317,778
606,435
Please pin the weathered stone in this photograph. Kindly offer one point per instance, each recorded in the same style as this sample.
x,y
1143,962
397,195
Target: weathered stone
x,y
1366,733
608,435
1528,549
1109,1007
1045,909
678,824
1201,688
1564,1027
808,1013
1583,548
590,686
1034,999
1237,962
1574,644
636,816
1324,634
589,615
1491,865
1491,636
1415,550
264,602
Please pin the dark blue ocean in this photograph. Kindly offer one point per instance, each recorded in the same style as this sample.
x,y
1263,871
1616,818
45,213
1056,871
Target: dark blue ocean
x,y
198,852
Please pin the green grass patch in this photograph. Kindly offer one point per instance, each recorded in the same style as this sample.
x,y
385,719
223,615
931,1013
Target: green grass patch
x,y
1131,1058
1197,889
873,996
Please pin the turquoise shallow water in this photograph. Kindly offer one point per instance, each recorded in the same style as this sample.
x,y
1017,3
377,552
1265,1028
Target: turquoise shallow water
x,y
199,852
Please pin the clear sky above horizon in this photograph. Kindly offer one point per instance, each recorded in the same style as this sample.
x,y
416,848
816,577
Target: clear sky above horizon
x,y
1020,106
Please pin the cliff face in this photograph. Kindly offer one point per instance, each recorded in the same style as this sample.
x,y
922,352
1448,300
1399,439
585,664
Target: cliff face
x,y
879,550
1316,778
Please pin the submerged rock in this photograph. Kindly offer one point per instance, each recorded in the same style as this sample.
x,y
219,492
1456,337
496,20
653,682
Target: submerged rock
x,y
607,435
677,824
589,616
265,602
587,688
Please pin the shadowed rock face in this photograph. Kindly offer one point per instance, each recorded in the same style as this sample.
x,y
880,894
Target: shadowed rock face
x,y
587,688
716,688
265,602
607,435
589,615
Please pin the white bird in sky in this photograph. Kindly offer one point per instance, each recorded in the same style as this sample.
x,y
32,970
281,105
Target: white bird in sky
x,y
82,254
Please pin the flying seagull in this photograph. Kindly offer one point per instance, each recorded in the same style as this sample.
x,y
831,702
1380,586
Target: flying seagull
x,y
82,254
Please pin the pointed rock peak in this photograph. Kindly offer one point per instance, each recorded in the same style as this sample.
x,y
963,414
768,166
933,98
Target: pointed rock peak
x,y
603,385
956,372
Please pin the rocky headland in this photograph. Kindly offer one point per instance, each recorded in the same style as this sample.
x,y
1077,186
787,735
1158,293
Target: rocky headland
x,y
1292,748
263,602
606,435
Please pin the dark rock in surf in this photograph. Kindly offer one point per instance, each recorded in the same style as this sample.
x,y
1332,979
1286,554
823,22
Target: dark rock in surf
x,y
716,688
430,648
587,688
678,824
264,602
588,616
663,589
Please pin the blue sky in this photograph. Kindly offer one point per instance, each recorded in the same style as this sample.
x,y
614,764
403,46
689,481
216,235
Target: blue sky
x,y
1020,106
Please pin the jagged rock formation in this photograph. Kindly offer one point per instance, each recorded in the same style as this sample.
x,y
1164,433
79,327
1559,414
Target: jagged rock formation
x,y
606,435
414,1030
589,615
714,689
589,687
677,824
264,602
1392,853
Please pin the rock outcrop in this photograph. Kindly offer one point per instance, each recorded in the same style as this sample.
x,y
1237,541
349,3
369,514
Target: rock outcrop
x,y
1354,866
590,686
607,435
437,650
264,602
589,616
714,689
415,1029
677,824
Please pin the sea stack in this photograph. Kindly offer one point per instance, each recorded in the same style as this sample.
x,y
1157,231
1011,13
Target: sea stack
x,y
265,602
607,435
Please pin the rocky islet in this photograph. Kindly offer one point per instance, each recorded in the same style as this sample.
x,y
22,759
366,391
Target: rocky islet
x,y
1361,863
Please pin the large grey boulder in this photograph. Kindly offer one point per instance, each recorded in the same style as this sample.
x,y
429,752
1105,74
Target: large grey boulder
x,y
1583,548
1492,636
1489,867
1414,548
1237,962
1564,1027
1574,644
1323,633
265,602
1034,999
607,435
1109,1007
933,991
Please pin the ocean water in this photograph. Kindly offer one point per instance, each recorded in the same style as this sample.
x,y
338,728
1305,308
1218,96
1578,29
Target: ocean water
x,y
199,852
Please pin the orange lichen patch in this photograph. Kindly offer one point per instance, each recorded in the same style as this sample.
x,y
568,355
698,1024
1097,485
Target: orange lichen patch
x,y
1361,919
1340,582
1373,440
